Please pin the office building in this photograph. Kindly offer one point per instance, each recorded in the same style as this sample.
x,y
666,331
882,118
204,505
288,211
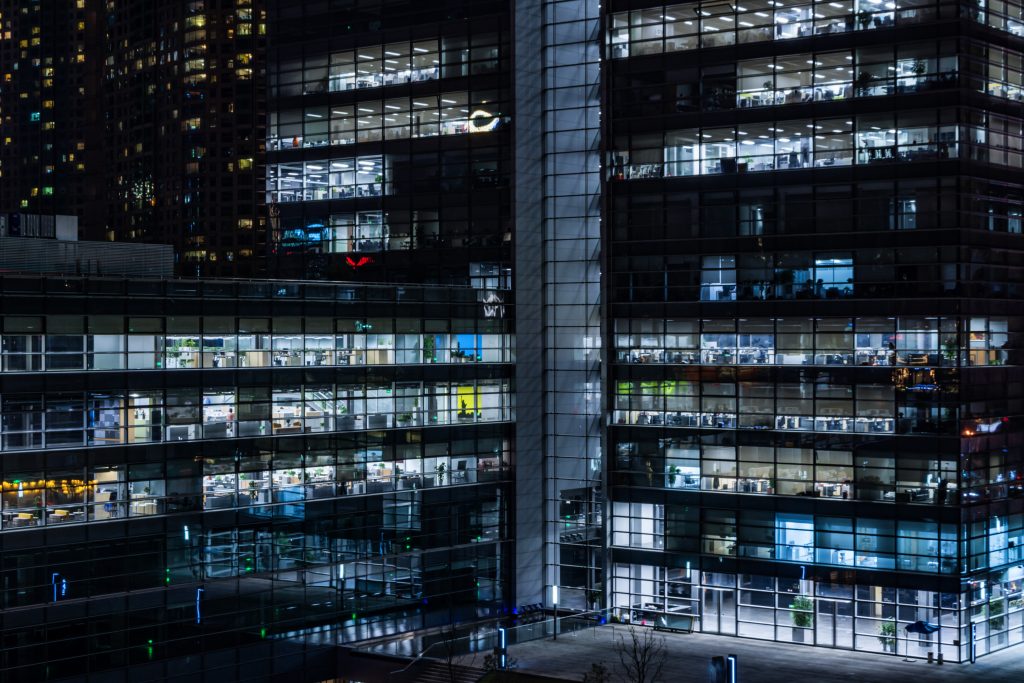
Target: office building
x,y
234,477
814,320
389,141
205,476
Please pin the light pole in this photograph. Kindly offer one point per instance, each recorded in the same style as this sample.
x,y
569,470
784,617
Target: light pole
x,y
502,650
554,607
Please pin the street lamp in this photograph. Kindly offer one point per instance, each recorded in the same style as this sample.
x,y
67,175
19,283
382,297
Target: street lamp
x,y
554,607
502,650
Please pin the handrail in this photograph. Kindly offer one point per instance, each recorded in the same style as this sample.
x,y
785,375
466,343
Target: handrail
x,y
417,658
513,633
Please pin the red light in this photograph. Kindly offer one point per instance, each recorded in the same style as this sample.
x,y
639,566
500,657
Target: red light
x,y
363,261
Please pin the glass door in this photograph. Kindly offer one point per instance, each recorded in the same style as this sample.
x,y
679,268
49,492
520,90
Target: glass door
x,y
718,611
833,626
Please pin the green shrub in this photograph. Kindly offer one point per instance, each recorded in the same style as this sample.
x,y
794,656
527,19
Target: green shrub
x,y
803,611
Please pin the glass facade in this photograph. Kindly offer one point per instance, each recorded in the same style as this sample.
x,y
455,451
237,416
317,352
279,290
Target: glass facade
x,y
692,25
809,435
389,140
703,313
774,145
575,514
240,464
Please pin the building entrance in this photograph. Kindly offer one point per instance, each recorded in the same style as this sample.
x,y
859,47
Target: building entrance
x,y
718,611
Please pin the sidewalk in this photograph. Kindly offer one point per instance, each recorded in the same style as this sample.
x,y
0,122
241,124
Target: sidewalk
x,y
570,657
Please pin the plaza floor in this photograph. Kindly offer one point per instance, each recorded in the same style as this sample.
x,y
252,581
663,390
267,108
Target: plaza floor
x,y
688,656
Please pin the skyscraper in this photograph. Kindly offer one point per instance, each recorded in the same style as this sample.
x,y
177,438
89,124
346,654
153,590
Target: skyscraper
x,y
49,71
813,319
144,119
183,92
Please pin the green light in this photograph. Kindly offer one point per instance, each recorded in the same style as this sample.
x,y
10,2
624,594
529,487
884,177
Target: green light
x,y
353,616
263,632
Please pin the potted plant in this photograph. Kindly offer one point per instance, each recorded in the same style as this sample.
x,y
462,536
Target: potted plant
x,y
429,349
887,635
189,346
996,616
802,615
949,348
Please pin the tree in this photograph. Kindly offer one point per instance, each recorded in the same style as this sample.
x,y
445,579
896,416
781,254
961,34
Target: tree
x,y
598,674
643,656
448,652
495,673
451,652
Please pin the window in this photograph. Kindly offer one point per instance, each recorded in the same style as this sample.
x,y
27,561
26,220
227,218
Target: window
x,y
718,278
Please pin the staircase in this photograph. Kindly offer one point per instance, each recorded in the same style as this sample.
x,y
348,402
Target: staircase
x,y
429,671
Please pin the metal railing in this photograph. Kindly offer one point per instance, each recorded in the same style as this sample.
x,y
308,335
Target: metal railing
x,y
483,640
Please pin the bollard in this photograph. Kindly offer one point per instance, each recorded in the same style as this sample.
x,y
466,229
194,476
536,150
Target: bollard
x,y
940,658
931,656
716,670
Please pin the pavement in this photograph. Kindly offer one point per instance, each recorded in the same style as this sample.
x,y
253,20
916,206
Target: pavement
x,y
688,655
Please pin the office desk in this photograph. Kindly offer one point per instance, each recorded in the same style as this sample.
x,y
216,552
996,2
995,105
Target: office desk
x,y
144,507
